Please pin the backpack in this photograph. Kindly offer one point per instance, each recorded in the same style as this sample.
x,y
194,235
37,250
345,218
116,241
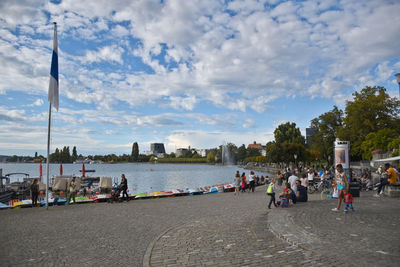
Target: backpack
x,y
270,189
284,203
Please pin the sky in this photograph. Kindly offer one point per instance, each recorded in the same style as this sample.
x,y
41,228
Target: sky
x,y
196,73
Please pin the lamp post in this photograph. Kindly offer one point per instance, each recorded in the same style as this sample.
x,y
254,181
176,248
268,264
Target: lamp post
x,y
398,81
295,157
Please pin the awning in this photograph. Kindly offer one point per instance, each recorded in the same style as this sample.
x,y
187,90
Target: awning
x,y
387,159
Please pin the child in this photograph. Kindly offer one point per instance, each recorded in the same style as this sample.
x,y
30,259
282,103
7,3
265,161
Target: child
x,y
348,200
271,193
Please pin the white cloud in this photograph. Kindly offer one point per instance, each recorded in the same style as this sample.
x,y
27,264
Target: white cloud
x,y
38,102
106,53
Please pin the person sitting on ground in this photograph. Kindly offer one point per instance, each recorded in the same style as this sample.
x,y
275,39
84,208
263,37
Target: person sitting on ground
x,y
301,192
287,192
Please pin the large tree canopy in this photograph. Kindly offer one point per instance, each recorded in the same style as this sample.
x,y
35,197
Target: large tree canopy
x,y
370,111
327,126
289,133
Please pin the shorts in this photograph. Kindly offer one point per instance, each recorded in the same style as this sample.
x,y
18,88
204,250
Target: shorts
x,y
340,187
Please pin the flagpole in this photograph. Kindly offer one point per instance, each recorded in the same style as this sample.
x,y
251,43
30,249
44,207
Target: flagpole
x,y
53,99
48,158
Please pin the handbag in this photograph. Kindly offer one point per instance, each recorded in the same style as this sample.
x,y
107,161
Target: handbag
x,y
335,193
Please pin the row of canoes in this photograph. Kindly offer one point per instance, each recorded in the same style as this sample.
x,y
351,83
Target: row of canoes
x,y
108,197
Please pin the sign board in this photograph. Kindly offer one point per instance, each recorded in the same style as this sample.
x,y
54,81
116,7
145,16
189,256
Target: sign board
x,y
342,149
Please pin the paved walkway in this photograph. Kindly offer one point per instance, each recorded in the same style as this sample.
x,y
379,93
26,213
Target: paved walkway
x,y
211,230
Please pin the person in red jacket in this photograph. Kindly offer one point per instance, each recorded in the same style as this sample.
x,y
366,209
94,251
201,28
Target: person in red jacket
x,y
348,201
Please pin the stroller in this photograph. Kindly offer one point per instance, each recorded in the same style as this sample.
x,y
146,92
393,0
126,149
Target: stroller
x,y
115,195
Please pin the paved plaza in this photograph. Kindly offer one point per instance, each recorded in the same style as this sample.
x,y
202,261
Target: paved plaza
x,y
208,230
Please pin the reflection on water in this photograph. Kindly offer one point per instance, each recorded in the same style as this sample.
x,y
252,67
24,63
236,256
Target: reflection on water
x,y
142,177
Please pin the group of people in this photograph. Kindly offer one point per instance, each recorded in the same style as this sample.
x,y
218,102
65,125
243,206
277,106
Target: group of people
x,y
242,183
295,188
293,191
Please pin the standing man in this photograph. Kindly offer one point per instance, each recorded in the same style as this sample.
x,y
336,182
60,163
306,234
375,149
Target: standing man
x,y
34,192
292,181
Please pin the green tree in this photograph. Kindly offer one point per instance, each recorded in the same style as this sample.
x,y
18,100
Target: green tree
x,y
252,152
370,110
74,154
288,132
135,152
210,157
382,139
327,126
274,154
241,153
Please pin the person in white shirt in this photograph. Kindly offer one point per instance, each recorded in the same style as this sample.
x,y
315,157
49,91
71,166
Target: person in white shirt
x,y
310,176
292,181
251,182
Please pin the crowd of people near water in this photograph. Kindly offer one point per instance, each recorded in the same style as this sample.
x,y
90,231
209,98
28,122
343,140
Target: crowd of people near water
x,y
295,184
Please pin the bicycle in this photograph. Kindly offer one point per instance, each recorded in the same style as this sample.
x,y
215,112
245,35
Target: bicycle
x,y
312,187
325,188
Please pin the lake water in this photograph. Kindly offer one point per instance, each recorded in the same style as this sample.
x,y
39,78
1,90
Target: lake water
x,y
142,177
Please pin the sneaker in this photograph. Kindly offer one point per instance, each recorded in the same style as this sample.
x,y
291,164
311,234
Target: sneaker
x,y
376,195
335,209
346,210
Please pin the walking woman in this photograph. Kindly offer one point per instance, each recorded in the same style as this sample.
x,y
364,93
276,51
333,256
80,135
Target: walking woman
x,y
34,192
243,178
124,187
237,182
342,185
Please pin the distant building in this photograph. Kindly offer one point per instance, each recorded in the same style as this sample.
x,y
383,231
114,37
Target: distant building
x,y
310,132
180,152
157,148
261,148
202,152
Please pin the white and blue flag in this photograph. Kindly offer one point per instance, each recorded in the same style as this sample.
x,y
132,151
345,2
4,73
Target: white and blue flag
x,y
53,87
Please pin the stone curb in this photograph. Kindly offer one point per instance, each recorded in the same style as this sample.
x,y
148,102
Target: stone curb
x,y
149,249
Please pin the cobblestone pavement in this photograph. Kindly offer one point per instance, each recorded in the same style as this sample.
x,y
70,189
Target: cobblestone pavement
x,y
370,236
217,230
